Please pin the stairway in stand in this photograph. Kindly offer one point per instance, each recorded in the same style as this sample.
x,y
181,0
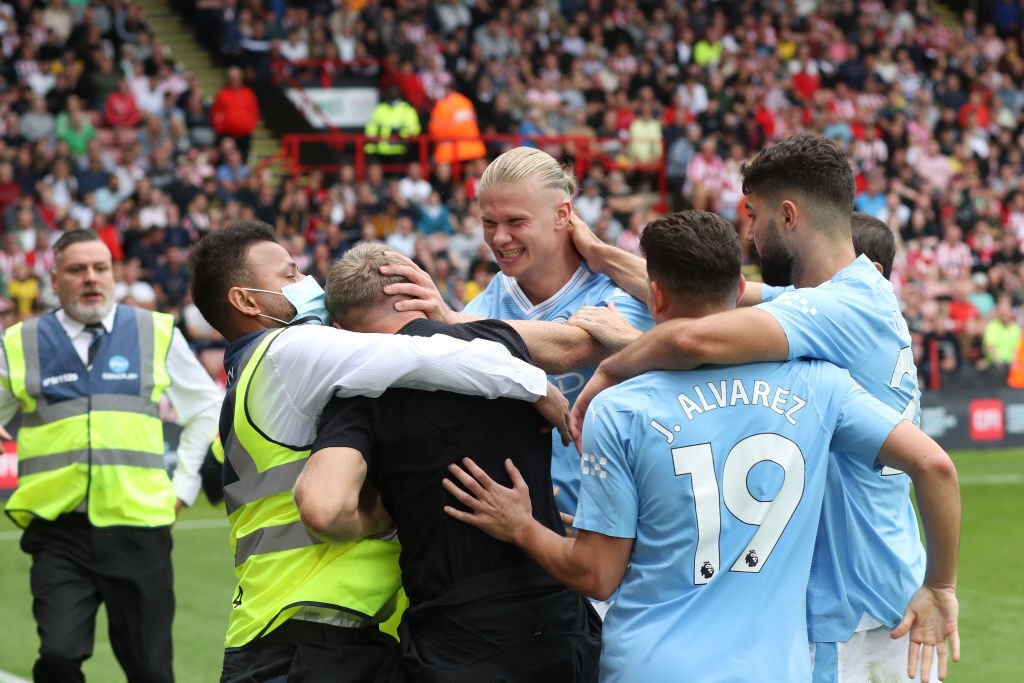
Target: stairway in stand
x,y
169,29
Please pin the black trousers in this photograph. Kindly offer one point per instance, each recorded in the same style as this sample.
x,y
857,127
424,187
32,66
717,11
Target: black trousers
x,y
511,626
308,652
242,142
75,567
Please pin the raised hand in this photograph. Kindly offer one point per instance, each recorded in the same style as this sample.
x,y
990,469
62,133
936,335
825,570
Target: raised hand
x,y
420,287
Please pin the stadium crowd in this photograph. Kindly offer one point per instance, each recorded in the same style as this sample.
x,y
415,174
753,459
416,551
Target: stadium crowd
x,y
102,129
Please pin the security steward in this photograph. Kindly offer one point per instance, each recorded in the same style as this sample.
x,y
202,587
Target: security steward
x,y
305,608
93,495
393,122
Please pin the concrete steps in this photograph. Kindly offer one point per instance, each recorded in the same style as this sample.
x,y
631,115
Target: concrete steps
x,y
171,31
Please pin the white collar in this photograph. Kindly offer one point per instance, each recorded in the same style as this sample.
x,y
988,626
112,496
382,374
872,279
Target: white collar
x,y
582,275
74,327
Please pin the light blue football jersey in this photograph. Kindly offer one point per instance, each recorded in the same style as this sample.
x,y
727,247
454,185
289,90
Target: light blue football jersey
x,y
719,475
869,559
505,300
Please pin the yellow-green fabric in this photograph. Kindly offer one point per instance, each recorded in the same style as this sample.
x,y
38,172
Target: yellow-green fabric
x,y
217,448
101,454
390,119
281,566
1001,341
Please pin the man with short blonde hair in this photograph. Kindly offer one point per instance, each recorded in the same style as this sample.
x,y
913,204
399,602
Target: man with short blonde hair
x,y
355,282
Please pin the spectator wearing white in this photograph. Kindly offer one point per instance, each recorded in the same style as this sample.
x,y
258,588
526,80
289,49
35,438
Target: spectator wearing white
x,y
705,176
38,123
148,95
62,185
589,204
493,41
452,15
154,213
294,49
953,256
413,187
109,196
130,172
692,95
131,290
403,239
467,243
83,212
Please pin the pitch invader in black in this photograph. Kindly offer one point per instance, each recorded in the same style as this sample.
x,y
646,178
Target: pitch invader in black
x,y
480,609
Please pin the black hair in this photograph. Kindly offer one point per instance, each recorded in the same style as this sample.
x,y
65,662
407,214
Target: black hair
x,y
218,263
73,237
874,239
694,254
811,165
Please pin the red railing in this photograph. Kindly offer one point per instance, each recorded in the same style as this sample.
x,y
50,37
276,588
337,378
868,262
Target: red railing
x,y
267,162
323,71
349,148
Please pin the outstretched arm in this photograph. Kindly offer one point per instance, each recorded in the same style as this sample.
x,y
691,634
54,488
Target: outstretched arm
x,y
747,335
931,616
605,324
751,295
626,270
592,564
558,348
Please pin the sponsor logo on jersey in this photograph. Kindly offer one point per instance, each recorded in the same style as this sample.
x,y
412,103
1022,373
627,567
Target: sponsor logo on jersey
x,y
594,466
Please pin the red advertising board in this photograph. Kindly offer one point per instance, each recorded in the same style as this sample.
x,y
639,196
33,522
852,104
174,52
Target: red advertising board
x,y
9,466
986,419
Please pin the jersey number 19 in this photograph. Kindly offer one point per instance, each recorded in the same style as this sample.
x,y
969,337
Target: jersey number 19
x,y
769,516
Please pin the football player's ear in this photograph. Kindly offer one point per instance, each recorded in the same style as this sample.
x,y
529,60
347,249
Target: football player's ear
x,y
741,287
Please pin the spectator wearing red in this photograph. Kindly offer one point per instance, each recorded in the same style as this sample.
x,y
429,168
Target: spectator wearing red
x,y
108,234
121,109
236,112
9,189
409,83
963,314
975,105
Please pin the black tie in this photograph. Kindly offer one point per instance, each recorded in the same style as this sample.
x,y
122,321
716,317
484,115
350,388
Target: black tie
x,y
97,332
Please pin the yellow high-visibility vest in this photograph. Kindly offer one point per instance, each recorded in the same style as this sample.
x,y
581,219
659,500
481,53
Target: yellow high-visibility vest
x,y
91,439
281,566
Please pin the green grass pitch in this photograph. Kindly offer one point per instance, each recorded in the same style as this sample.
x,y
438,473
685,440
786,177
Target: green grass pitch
x,y
991,584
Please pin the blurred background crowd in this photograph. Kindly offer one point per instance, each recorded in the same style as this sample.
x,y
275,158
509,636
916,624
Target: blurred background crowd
x,y
101,128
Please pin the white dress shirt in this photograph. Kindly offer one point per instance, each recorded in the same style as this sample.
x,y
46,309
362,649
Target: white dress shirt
x,y
306,366
196,399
